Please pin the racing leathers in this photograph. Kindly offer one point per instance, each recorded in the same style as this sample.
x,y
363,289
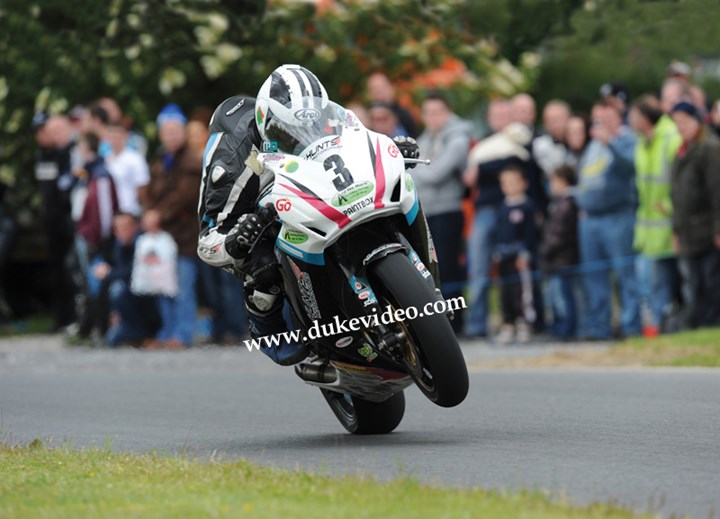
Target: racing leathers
x,y
229,225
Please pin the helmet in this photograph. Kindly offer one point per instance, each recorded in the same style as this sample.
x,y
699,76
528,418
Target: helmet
x,y
291,108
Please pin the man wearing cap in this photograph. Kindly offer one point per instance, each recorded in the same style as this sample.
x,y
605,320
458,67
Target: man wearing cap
x,y
174,184
696,218
679,71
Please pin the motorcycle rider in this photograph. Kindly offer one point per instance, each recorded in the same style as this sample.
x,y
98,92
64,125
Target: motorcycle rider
x,y
230,221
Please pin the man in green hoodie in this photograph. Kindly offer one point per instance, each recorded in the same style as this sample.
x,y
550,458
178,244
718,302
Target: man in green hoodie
x,y
657,145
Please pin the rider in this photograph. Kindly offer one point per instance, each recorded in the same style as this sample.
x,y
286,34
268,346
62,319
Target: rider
x,y
230,221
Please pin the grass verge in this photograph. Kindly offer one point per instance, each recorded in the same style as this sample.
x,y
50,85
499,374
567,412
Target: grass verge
x,y
36,481
698,348
30,326
695,348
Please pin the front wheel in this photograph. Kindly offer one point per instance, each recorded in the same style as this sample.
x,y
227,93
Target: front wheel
x,y
360,416
432,354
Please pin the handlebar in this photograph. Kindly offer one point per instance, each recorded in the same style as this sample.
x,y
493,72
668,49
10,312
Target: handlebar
x,y
418,161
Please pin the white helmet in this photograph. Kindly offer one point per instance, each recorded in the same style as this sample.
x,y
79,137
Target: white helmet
x,y
292,101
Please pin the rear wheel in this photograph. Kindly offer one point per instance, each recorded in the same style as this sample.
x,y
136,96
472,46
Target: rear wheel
x,y
360,416
432,354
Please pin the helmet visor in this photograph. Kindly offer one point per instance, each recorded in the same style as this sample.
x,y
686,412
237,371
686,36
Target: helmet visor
x,y
294,133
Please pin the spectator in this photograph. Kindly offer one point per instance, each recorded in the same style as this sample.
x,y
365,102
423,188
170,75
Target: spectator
x,y
93,229
197,136
128,168
673,91
715,117
8,233
381,90
577,137
219,287
559,254
53,173
100,202
155,274
606,197
360,111
135,141
696,217
173,192
523,109
485,162
617,96
658,142
133,318
445,142
499,115
679,71
698,98
549,150
515,253
95,120
384,120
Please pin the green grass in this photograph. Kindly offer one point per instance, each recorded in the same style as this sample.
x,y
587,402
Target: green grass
x,y
695,348
39,482
30,326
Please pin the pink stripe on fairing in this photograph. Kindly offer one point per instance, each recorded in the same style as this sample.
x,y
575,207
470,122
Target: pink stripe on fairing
x,y
379,177
326,210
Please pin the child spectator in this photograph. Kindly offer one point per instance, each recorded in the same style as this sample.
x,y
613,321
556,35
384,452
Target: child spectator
x,y
155,274
559,252
96,202
132,318
515,250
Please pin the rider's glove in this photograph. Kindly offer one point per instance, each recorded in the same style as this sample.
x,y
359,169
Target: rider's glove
x,y
408,147
243,235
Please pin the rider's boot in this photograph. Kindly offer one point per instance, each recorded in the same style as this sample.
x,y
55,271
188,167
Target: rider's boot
x,y
287,350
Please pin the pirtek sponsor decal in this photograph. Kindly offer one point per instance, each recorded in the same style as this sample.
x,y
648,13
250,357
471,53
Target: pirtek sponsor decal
x,y
358,205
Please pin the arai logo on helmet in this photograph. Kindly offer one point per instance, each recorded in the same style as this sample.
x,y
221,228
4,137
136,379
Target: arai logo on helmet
x,y
307,115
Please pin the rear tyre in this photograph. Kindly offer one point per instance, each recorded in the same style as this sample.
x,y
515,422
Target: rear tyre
x,y
360,416
432,354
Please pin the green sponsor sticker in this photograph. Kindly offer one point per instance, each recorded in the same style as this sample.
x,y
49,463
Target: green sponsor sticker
x,y
367,352
409,183
352,193
292,166
295,236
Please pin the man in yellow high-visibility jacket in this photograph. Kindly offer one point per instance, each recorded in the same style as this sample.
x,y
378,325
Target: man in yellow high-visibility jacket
x,y
657,145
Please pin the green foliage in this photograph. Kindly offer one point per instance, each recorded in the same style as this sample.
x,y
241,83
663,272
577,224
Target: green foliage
x,y
626,40
56,53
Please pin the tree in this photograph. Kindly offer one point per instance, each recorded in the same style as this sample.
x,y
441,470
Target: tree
x,y
625,40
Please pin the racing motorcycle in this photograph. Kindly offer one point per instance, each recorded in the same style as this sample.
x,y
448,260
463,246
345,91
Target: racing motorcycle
x,y
352,243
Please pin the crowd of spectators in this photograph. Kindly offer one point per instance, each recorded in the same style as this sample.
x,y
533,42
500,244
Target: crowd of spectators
x,y
561,215
558,215
121,230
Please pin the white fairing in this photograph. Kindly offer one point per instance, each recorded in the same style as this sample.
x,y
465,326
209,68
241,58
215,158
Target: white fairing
x,y
364,165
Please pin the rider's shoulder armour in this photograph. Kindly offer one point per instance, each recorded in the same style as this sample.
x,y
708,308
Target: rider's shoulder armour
x,y
235,116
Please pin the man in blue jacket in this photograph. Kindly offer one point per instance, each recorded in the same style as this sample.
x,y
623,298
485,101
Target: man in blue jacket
x,y
607,200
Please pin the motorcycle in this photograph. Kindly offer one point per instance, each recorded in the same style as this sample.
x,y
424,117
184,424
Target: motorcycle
x,y
353,243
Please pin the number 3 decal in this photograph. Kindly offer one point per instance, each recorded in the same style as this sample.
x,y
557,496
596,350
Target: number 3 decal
x,y
343,177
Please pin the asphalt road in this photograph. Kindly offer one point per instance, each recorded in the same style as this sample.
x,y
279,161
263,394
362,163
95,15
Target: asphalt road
x,y
648,439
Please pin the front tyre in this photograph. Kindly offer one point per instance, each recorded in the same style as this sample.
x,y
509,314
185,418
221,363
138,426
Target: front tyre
x,y
432,354
360,416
